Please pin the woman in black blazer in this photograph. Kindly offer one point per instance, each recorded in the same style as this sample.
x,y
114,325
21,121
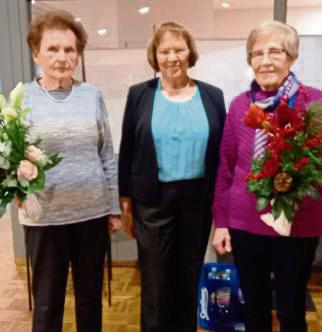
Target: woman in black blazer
x,y
168,160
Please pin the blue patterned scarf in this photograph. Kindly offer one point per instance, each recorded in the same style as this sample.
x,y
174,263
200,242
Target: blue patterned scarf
x,y
286,91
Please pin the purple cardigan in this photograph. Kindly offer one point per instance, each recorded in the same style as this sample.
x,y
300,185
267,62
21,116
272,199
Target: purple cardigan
x,y
233,205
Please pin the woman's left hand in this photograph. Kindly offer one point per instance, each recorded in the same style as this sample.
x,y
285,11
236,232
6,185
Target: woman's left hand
x,y
221,241
114,223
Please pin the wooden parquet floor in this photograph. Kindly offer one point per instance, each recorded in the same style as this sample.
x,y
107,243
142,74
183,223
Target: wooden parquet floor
x,y
123,316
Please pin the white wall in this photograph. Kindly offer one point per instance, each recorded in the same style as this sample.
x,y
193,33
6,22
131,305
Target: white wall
x,y
238,23
307,21
136,29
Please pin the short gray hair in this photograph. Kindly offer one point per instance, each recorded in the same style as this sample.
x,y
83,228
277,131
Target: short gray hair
x,y
291,38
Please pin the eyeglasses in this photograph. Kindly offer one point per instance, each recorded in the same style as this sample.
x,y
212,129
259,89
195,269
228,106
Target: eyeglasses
x,y
271,53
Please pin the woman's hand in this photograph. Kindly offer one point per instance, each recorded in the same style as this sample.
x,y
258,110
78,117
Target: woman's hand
x,y
221,241
114,223
127,217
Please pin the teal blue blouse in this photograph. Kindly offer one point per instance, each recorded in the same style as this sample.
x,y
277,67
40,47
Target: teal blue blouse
x,y
180,131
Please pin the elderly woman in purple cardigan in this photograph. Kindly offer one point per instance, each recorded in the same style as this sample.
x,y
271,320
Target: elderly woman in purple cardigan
x,y
258,250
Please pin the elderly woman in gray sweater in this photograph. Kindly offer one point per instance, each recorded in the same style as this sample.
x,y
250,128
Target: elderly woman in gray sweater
x,y
80,201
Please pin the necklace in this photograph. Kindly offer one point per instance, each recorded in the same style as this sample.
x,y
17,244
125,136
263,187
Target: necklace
x,y
175,92
67,92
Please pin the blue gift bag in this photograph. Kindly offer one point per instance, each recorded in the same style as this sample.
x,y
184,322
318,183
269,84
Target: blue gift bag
x,y
220,300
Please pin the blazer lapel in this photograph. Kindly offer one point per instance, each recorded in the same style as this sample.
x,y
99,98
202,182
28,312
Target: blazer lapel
x,y
148,98
209,105
149,101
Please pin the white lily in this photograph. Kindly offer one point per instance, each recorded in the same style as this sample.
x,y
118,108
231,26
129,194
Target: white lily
x,y
3,102
9,114
16,95
281,225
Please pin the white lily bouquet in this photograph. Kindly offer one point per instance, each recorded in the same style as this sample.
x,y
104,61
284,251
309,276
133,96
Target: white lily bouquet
x,y
22,163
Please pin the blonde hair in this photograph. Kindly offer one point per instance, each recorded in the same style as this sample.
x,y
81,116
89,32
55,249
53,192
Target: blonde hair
x,y
179,31
290,43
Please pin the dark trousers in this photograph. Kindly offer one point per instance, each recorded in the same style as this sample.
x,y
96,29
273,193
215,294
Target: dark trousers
x,y
172,237
51,250
290,259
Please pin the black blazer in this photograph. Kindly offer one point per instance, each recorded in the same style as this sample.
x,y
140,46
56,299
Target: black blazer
x,y
138,169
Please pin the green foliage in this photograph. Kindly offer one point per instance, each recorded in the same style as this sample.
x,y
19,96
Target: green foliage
x,y
257,164
53,160
262,188
261,203
313,119
16,133
39,183
284,202
3,102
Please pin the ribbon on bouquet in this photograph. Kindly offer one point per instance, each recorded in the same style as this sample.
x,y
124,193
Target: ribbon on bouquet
x,y
30,210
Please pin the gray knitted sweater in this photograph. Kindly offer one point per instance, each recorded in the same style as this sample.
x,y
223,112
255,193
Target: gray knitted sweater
x,y
83,185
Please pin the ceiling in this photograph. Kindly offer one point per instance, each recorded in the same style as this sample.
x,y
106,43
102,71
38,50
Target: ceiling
x,y
249,4
234,4
127,28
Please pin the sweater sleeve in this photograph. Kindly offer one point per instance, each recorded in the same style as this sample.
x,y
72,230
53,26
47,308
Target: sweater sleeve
x,y
106,153
228,157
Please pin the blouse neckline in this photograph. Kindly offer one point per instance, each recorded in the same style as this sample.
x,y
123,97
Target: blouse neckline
x,y
173,100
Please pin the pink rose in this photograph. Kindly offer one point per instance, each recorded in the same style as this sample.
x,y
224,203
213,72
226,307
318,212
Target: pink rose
x,y
34,154
27,170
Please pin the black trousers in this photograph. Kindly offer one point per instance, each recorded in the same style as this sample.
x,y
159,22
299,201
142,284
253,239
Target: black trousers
x,y
172,237
51,250
290,259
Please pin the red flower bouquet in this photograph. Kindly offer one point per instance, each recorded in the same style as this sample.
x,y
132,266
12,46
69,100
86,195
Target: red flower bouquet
x,y
291,168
